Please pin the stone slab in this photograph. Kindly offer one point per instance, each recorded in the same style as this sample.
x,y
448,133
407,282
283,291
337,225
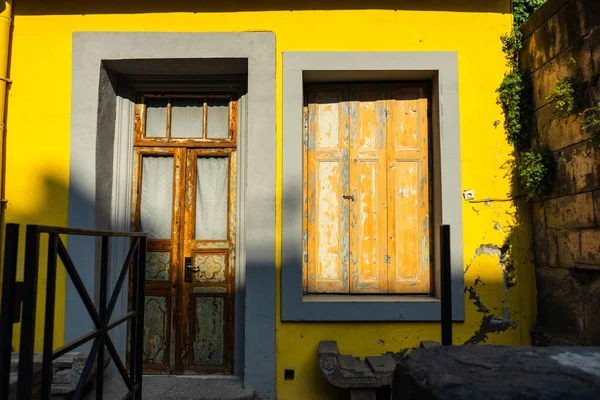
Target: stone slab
x,y
157,387
499,373
570,212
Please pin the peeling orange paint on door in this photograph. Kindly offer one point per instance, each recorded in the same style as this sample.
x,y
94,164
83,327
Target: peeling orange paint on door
x,y
367,187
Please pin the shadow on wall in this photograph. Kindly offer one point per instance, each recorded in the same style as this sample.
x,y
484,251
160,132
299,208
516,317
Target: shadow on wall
x,y
515,260
74,7
71,317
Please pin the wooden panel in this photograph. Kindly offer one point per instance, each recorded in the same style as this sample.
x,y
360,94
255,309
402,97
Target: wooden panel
x,y
156,330
209,331
158,264
327,213
408,191
213,267
368,186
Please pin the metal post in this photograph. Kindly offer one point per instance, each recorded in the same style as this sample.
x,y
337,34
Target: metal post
x,y
141,277
49,317
446,289
8,305
26,382
103,318
133,322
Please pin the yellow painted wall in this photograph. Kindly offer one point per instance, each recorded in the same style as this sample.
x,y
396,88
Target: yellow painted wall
x,y
39,123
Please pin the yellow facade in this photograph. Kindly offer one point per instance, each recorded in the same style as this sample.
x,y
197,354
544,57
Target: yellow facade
x,y
39,113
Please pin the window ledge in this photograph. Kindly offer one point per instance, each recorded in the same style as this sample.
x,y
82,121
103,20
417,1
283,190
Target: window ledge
x,y
333,298
365,308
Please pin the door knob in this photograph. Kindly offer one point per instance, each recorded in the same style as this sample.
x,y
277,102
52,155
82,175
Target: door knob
x,y
190,269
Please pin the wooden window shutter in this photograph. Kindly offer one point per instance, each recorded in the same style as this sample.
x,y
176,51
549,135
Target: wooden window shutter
x,y
408,191
368,230
327,182
366,222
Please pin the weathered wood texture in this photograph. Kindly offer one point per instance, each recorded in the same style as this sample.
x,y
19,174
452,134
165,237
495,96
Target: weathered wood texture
x,y
190,278
366,189
566,222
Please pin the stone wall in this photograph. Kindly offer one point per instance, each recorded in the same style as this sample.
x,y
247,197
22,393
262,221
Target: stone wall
x,y
566,223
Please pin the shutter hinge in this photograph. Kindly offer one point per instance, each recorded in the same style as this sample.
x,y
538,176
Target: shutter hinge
x,y
387,259
306,258
428,113
386,112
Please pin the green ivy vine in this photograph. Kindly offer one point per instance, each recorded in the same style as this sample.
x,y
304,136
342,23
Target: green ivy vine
x,y
534,164
513,93
535,171
566,94
522,9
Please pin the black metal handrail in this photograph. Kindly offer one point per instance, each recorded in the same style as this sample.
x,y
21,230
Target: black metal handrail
x,y
100,314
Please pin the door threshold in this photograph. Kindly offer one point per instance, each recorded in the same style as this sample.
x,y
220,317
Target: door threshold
x,y
232,377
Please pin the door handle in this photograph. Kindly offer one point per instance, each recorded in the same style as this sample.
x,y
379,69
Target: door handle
x,y
190,269
348,197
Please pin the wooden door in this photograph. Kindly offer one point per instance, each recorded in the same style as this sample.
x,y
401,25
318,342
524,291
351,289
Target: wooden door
x,y
184,196
209,250
367,204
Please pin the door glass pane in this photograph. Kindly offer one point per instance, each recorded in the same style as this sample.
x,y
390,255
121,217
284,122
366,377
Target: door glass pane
x,y
156,117
157,196
217,123
211,198
186,118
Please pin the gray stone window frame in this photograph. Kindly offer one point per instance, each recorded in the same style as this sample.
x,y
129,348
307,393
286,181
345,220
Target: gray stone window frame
x,y
100,164
441,69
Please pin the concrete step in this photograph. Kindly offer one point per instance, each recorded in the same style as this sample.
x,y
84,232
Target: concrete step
x,y
161,387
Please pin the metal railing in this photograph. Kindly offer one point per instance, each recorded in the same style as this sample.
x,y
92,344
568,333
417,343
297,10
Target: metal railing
x,y
12,295
446,286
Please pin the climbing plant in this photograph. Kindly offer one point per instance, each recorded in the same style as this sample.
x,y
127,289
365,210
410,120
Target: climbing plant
x,y
590,123
522,9
566,93
534,166
513,93
563,95
535,171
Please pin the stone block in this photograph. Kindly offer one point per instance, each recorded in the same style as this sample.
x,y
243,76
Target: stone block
x,y
569,248
577,169
597,206
561,296
590,247
570,212
571,23
540,246
595,49
592,311
558,133
562,67
543,14
552,247
539,217
499,372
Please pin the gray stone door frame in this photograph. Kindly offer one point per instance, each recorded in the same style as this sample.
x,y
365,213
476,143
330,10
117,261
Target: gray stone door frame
x,y
100,163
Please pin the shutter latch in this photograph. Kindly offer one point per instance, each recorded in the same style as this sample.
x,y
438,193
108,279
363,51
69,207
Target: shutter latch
x,y
387,259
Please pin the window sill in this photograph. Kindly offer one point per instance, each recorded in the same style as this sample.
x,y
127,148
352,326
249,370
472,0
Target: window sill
x,y
333,298
365,308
